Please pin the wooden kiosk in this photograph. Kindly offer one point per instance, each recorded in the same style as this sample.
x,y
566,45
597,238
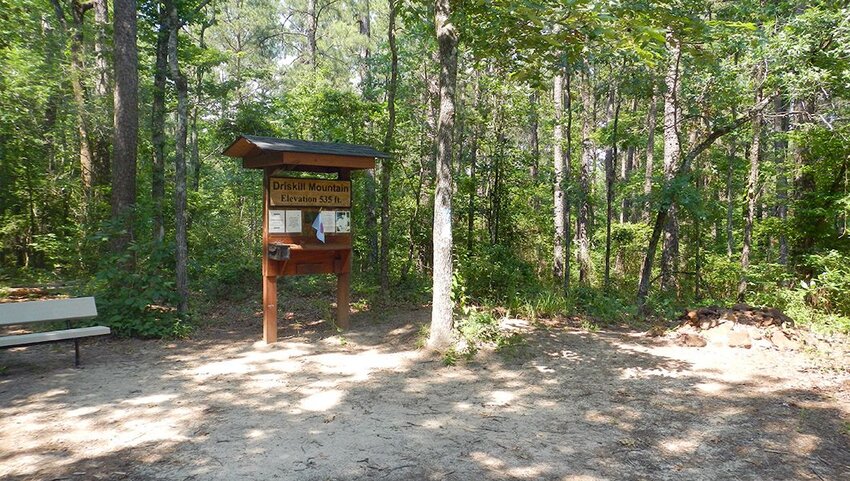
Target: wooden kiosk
x,y
306,219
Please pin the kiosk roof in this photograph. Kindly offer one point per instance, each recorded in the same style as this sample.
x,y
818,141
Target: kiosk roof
x,y
251,145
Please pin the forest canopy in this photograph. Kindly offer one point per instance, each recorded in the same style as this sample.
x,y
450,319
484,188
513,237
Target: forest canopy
x,y
618,159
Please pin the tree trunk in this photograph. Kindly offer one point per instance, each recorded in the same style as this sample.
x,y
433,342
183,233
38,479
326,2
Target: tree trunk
x,y
180,133
386,164
371,226
534,140
77,73
804,182
610,168
126,128
670,252
158,128
730,195
626,168
568,167
780,148
312,29
441,314
101,21
650,152
587,161
101,127
559,168
752,198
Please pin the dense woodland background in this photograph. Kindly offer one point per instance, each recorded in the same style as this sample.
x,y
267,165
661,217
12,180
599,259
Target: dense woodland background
x,y
614,159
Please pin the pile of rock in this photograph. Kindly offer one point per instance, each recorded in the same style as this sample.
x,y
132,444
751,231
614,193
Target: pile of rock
x,y
739,326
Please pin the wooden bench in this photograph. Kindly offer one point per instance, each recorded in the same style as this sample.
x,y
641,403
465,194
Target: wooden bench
x,y
67,310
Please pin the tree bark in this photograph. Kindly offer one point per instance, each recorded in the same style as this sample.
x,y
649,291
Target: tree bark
x,y
568,166
312,30
780,149
126,123
587,161
442,309
672,151
650,153
752,197
610,168
158,128
732,156
386,164
534,140
180,134
371,226
559,168
101,20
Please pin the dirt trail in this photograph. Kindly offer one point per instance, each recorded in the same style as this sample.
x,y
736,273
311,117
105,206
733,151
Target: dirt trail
x,y
572,405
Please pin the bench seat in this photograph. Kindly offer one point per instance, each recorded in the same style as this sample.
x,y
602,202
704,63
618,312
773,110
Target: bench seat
x,y
53,336
52,310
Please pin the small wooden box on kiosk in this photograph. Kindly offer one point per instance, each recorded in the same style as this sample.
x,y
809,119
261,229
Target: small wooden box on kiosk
x,y
306,220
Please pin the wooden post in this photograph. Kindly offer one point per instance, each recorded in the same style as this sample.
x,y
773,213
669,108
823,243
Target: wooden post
x,y
269,277
343,278
343,300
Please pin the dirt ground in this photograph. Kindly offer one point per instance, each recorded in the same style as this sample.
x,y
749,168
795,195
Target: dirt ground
x,y
570,405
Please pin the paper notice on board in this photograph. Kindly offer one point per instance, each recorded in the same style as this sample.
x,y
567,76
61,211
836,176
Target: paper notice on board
x,y
343,221
328,221
277,221
293,221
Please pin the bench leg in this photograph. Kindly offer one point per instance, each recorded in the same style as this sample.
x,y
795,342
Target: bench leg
x,y
76,353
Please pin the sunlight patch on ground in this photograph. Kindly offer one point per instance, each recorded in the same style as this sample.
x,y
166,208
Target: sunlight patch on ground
x,y
711,387
687,445
644,373
321,401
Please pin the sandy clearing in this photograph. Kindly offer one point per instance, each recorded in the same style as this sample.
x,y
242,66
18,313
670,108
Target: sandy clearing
x,y
572,405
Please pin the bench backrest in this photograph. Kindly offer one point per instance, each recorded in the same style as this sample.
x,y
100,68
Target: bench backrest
x,y
48,310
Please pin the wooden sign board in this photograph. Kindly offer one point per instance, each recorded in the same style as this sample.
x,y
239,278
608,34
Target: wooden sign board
x,y
305,192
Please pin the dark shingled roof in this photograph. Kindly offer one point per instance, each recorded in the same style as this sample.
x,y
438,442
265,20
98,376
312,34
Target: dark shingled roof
x,y
331,148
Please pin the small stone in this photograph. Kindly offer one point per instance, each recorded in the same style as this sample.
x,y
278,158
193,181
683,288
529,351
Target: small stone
x,y
739,339
783,342
691,340
717,335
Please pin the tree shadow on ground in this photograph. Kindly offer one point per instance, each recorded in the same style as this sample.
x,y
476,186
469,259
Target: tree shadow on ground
x,y
366,405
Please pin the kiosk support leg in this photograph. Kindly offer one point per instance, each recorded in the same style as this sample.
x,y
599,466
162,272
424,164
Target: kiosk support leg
x,y
270,309
343,300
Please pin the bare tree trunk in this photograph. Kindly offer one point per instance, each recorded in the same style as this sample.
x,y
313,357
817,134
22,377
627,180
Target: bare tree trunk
x,y
180,133
195,156
752,197
158,128
370,184
587,160
670,252
534,140
312,29
780,148
568,197
650,152
559,167
610,167
126,128
442,308
102,90
101,21
77,69
732,157
626,168
386,164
